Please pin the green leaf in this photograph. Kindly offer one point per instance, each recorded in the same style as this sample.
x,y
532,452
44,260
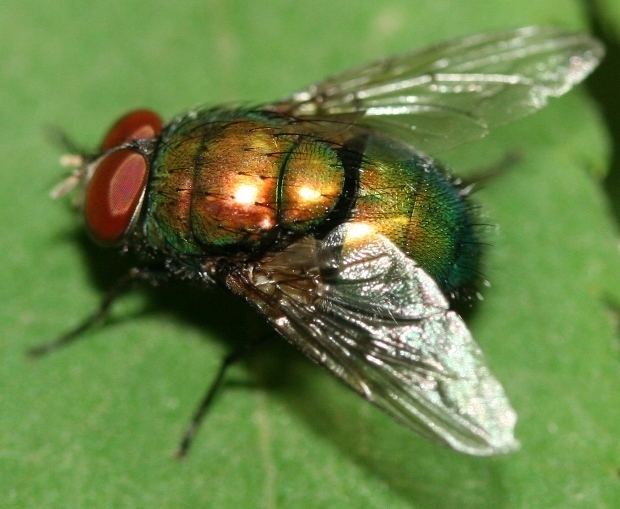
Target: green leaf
x,y
95,425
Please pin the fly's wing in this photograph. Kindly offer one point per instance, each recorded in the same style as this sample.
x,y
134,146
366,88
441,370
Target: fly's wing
x,y
356,304
439,97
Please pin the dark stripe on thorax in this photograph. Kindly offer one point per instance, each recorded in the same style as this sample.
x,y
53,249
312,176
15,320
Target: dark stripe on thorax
x,y
280,184
197,166
351,156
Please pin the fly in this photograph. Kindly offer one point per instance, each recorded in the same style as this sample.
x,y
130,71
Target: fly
x,y
325,212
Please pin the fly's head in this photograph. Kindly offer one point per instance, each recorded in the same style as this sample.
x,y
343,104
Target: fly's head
x,y
111,183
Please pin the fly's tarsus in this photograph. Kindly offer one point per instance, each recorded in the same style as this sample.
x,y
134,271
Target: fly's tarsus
x,y
212,391
98,315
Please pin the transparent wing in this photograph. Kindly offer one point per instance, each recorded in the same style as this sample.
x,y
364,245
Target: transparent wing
x,y
441,96
356,304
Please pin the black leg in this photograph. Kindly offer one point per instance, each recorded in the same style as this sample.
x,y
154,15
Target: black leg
x,y
211,392
61,139
484,175
120,287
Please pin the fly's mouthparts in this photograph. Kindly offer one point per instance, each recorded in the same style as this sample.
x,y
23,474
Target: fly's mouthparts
x,y
77,163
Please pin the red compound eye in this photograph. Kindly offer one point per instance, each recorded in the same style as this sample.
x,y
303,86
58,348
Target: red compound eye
x,y
113,194
135,125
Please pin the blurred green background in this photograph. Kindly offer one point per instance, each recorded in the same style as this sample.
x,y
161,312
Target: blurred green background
x,y
96,424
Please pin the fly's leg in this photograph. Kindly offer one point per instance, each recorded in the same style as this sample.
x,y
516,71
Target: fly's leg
x,y
59,138
121,286
484,175
211,392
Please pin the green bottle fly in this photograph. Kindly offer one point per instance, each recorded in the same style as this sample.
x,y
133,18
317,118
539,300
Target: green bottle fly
x,y
245,181
325,212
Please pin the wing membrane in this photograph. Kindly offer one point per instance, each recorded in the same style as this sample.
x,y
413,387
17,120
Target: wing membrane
x,y
454,92
356,304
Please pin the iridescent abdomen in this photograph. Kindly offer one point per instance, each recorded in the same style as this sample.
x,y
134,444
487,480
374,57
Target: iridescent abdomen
x,y
231,182
410,199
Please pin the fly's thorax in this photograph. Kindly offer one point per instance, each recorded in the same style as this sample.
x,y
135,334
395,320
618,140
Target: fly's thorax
x,y
238,181
310,186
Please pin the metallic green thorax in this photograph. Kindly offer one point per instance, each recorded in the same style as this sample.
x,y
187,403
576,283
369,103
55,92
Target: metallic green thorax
x,y
240,181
